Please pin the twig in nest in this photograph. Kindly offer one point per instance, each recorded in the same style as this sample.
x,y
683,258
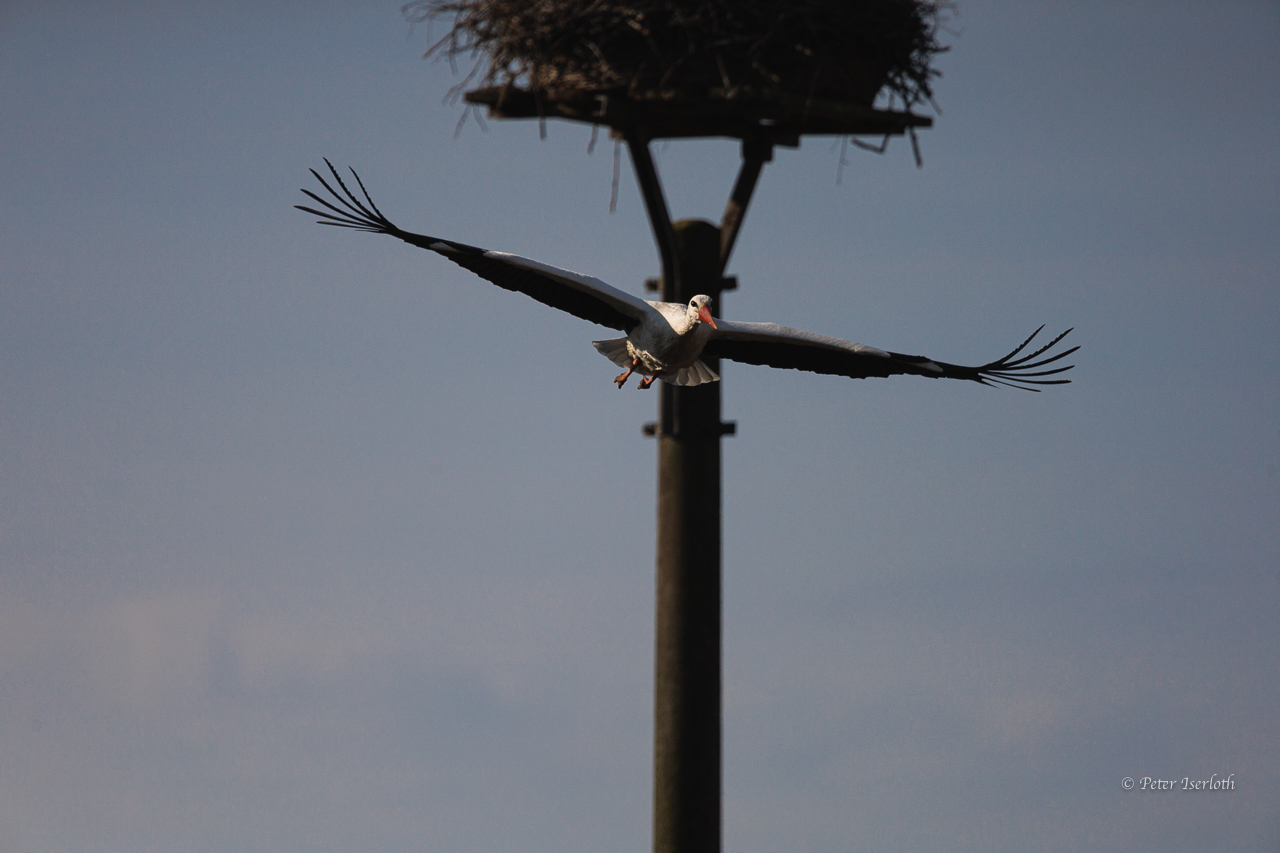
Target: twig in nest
x,y
867,146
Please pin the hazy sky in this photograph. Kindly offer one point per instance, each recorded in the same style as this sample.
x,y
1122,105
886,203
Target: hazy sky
x,y
310,541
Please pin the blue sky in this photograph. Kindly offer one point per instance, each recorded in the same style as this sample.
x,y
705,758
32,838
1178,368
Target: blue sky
x,y
311,541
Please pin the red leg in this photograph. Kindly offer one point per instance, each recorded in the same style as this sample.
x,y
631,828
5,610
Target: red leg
x,y
646,382
622,378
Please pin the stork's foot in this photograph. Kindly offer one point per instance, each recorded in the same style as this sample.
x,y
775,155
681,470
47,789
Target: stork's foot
x,y
645,383
623,377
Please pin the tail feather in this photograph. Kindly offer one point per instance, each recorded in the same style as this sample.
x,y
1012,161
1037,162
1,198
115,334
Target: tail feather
x,y
695,374
614,349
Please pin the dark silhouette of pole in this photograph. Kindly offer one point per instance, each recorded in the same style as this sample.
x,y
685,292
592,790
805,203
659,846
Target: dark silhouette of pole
x,y
687,653
686,739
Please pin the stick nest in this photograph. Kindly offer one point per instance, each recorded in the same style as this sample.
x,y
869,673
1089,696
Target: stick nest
x,y
840,50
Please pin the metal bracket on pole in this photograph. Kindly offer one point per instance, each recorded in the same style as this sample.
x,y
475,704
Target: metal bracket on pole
x,y
651,430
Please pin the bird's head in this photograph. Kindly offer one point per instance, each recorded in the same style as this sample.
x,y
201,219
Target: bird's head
x,y
700,310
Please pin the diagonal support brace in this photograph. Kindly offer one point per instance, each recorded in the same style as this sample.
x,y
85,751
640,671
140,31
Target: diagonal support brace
x,y
659,217
755,153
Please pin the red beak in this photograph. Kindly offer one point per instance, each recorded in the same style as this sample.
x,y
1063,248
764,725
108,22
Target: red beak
x,y
705,316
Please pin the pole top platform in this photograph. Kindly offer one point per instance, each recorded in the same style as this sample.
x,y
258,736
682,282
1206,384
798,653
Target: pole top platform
x,y
775,117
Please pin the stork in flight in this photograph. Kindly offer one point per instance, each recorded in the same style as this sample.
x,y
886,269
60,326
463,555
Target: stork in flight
x,y
667,340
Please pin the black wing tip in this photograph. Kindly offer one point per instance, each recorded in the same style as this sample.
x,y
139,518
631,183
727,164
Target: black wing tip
x,y
1021,372
353,213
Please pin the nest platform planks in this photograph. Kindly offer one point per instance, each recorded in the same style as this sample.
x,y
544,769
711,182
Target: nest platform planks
x,y
774,117
682,68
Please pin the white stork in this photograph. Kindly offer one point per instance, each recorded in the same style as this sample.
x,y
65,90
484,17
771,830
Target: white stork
x,y
666,340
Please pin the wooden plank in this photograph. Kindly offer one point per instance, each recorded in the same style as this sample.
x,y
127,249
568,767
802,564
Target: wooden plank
x,y
778,118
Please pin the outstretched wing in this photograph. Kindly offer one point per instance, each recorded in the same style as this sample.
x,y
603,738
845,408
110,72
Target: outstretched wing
x,y
579,295
780,346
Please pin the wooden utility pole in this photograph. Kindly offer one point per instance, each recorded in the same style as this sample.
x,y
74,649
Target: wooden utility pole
x,y
687,684
686,708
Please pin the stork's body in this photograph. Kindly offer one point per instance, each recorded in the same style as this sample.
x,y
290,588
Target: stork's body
x,y
667,344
